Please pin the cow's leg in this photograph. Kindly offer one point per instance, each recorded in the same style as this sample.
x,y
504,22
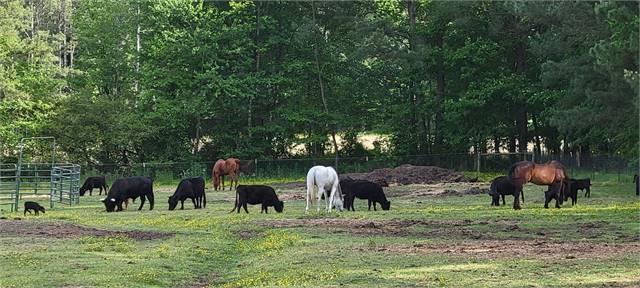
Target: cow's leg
x,y
119,206
547,198
503,203
37,212
90,191
374,206
142,199
151,201
245,207
369,202
516,201
195,206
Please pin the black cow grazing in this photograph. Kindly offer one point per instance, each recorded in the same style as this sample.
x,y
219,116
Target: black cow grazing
x,y
501,186
191,188
582,184
129,187
32,206
257,194
363,189
636,180
94,182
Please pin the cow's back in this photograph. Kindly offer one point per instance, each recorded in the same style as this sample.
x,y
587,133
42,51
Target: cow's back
x,y
130,187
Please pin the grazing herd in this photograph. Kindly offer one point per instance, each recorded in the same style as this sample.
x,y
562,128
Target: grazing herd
x,y
324,183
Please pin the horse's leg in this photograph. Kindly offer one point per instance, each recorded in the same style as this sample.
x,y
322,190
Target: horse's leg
x,y
319,197
309,196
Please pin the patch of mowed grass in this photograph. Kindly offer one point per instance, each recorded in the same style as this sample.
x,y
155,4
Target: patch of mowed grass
x,y
207,244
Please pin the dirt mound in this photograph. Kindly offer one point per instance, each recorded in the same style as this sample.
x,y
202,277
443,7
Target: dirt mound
x,y
67,230
409,174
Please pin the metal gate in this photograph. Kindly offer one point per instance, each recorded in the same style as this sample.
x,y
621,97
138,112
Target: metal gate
x,y
8,187
65,184
60,182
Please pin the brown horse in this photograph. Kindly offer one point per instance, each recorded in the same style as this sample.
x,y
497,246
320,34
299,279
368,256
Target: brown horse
x,y
552,174
222,167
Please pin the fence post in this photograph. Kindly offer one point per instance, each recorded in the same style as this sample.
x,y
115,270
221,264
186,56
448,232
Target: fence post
x,y
477,163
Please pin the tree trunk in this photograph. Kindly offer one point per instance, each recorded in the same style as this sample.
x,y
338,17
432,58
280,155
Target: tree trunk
x,y
138,46
496,144
257,68
440,92
320,82
418,122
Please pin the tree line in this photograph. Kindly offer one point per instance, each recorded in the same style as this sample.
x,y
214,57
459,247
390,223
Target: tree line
x,y
178,80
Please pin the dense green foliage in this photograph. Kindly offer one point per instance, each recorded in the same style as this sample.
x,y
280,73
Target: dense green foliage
x,y
119,81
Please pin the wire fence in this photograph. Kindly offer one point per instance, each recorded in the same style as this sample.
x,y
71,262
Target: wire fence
x,y
611,167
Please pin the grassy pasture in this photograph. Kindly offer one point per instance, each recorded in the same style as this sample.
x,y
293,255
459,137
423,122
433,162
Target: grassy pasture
x,y
425,240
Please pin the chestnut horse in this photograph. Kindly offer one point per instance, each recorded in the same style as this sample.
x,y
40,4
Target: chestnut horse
x,y
549,174
229,167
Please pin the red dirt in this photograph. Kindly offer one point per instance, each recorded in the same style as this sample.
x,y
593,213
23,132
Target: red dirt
x,y
409,174
66,230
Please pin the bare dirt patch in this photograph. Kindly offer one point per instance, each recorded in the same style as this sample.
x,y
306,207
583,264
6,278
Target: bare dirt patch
x,y
396,227
66,230
409,174
517,248
439,189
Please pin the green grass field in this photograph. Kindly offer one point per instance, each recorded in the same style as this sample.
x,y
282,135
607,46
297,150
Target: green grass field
x,y
425,240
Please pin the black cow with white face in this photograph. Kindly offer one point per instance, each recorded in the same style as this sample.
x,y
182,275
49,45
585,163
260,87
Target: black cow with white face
x,y
129,187
257,194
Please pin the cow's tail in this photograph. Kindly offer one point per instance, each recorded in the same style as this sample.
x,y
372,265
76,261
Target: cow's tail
x,y
235,205
204,199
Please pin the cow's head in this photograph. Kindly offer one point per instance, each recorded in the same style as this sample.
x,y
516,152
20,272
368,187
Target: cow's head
x,y
173,202
385,205
41,209
109,203
279,206
82,191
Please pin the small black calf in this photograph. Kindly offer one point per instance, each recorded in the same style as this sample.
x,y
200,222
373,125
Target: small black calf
x,y
257,194
32,206
501,186
363,189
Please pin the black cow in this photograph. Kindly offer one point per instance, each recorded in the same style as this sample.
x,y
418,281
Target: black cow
x,y
257,194
129,187
501,186
574,186
192,188
94,182
363,189
636,180
32,206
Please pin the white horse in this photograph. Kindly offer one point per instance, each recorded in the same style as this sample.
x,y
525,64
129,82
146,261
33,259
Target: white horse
x,y
323,179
